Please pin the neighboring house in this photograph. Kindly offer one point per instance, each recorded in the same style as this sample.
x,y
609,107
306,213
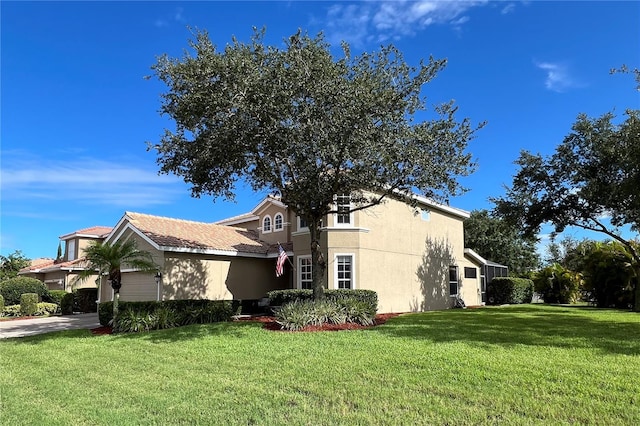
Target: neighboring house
x,y
414,258
60,274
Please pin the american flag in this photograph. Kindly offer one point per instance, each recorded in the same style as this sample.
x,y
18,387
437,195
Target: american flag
x,y
282,257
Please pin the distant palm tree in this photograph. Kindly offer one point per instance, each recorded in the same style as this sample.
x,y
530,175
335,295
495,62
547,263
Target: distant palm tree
x,y
109,258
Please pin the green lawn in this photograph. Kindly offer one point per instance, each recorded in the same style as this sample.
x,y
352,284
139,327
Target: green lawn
x,y
511,365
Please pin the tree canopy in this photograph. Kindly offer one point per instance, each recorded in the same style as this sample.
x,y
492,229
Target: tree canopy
x,y
10,265
495,239
297,122
591,181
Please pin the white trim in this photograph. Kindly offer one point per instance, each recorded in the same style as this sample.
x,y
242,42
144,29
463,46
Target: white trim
x,y
300,230
299,274
264,219
336,214
346,229
212,251
475,256
275,228
353,269
430,203
235,220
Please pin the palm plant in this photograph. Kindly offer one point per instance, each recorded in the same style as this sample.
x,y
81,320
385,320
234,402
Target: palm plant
x,y
109,258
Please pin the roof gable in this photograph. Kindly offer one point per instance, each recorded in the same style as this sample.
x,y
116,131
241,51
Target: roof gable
x,y
169,234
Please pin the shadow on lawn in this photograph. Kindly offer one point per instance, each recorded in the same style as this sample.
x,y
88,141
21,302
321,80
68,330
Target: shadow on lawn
x,y
523,325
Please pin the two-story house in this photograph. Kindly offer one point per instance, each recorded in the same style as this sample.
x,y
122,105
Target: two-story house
x,y
60,274
413,258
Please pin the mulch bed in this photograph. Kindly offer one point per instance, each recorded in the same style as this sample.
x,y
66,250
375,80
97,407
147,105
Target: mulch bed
x,y
270,323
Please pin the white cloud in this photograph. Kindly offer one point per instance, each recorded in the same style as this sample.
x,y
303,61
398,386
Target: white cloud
x,y
508,9
380,21
85,180
558,78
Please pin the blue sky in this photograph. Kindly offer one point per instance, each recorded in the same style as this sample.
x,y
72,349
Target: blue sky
x,y
76,110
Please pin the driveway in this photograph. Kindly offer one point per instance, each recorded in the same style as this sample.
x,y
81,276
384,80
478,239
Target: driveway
x,y
29,327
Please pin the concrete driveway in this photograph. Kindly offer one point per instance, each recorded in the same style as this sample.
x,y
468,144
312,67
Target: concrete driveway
x,y
29,327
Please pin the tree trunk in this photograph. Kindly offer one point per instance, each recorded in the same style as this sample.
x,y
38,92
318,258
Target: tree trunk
x,y
318,263
636,298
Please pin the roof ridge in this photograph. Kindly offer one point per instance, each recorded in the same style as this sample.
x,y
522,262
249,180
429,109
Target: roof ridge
x,y
127,213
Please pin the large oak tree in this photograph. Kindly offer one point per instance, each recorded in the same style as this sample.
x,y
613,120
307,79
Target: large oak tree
x,y
307,126
591,181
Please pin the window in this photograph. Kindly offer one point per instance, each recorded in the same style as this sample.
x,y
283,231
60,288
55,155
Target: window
x,y
343,207
344,271
302,223
453,280
305,279
71,250
266,224
470,272
278,223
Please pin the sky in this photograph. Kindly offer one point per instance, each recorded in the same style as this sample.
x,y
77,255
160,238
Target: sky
x,y
77,112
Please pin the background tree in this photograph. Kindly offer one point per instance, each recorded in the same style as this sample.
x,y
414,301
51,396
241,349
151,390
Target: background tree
x,y
498,241
298,123
593,174
109,258
11,265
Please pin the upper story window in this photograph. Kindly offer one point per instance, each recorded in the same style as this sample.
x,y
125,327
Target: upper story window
x,y
266,224
343,208
302,223
71,249
453,280
278,222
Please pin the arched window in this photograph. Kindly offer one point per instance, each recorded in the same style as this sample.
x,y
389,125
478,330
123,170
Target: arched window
x,y
278,222
266,224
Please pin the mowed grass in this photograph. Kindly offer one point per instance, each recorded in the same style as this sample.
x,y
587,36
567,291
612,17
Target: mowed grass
x,y
509,365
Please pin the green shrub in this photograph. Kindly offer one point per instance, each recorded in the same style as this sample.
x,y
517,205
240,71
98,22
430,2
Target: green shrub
x,y
28,304
55,296
11,311
556,284
45,308
302,313
508,290
13,288
368,297
166,314
67,303
1,303
86,299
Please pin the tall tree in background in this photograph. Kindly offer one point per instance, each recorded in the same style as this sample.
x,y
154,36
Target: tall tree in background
x,y
498,241
591,181
11,265
308,127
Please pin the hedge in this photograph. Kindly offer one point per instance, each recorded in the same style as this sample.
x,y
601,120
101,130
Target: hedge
x,y
368,297
55,296
143,316
507,290
85,299
28,304
1,303
67,303
13,288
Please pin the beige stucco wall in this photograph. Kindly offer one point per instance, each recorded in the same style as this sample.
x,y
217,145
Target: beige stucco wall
x,y
404,258
274,236
196,276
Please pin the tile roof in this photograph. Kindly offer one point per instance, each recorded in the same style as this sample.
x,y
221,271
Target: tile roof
x,y
50,265
185,234
97,231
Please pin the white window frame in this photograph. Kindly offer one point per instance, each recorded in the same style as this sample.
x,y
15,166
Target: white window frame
x,y
264,228
298,225
457,281
353,269
71,249
275,222
300,270
336,214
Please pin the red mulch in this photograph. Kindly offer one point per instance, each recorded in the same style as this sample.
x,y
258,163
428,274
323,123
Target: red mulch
x,y
101,331
271,324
